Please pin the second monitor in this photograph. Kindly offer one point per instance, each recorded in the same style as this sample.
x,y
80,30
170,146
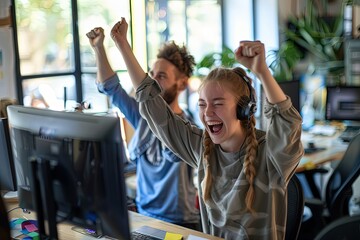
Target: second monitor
x,y
7,169
343,103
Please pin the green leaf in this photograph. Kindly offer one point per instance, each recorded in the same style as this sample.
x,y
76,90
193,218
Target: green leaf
x,y
207,61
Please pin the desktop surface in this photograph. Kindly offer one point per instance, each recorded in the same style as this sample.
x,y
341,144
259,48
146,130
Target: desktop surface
x,y
137,221
324,149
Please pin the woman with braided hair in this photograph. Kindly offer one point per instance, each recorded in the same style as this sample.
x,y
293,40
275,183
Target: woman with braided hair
x,y
243,172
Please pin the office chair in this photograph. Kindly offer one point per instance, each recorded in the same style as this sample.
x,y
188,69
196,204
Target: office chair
x,y
338,191
295,208
347,227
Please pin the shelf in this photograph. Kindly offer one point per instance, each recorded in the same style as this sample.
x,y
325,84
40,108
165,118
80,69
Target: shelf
x,y
6,21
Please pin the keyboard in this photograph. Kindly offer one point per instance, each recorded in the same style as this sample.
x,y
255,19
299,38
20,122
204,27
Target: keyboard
x,y
147,233
313,150
142,233
141,236
349,133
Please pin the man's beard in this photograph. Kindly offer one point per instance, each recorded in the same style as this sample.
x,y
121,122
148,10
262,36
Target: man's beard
x,y
169,95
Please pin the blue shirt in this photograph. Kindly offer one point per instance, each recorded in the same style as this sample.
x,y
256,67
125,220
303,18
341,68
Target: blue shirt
x,y
165,188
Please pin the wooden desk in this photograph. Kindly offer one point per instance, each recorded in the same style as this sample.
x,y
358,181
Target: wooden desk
x,y
334,150
136,221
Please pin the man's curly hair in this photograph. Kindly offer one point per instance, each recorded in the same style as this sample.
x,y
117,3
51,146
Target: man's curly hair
x,y
178,56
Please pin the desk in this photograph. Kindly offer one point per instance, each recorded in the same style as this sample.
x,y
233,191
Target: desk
x,y
334,150
136,221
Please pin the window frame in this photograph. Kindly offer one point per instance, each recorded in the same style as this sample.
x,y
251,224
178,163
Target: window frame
x,y
76,72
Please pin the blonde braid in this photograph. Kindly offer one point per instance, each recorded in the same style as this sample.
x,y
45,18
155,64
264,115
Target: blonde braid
x,y
207,178
249,163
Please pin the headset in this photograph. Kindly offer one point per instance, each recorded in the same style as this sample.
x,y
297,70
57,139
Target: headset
x,y
244,113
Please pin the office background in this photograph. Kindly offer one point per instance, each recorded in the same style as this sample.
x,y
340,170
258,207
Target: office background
x,y
227,22
46,59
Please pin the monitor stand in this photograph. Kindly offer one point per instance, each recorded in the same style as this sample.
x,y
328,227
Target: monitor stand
x,y
44,200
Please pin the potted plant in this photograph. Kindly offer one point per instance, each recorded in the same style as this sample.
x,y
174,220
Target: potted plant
x,y
284,60
225,58
320,36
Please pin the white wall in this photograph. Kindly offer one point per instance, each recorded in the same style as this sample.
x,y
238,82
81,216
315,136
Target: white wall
x,y
7,70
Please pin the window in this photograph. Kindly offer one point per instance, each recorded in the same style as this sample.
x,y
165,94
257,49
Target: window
x,y
55,63
195,23
184,22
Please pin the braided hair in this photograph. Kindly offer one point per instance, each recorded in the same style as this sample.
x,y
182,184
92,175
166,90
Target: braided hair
x,y
231,80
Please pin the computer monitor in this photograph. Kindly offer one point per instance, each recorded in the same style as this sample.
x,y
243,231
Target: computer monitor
x,y
7,168
292,89
343,103
70,169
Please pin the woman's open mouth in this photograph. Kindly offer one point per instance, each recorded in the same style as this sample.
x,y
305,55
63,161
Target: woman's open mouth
x,y
215,126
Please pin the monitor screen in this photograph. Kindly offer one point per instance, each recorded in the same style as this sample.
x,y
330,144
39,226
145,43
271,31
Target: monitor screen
x,y
343,103
292,89
7,168
70,168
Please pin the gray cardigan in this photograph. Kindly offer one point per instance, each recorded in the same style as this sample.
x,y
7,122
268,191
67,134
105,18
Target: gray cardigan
x,y
279,153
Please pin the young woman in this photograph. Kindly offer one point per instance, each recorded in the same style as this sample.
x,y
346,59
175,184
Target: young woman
x,y
242,172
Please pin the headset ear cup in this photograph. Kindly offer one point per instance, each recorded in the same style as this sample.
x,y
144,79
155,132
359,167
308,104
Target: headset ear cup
x,y
242,113
253,108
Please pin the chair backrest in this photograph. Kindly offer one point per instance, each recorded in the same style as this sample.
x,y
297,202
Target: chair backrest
x,y
339,185
347,227
295,208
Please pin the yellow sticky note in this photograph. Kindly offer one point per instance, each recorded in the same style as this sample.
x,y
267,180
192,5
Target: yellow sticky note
x,y
173,236
309,165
